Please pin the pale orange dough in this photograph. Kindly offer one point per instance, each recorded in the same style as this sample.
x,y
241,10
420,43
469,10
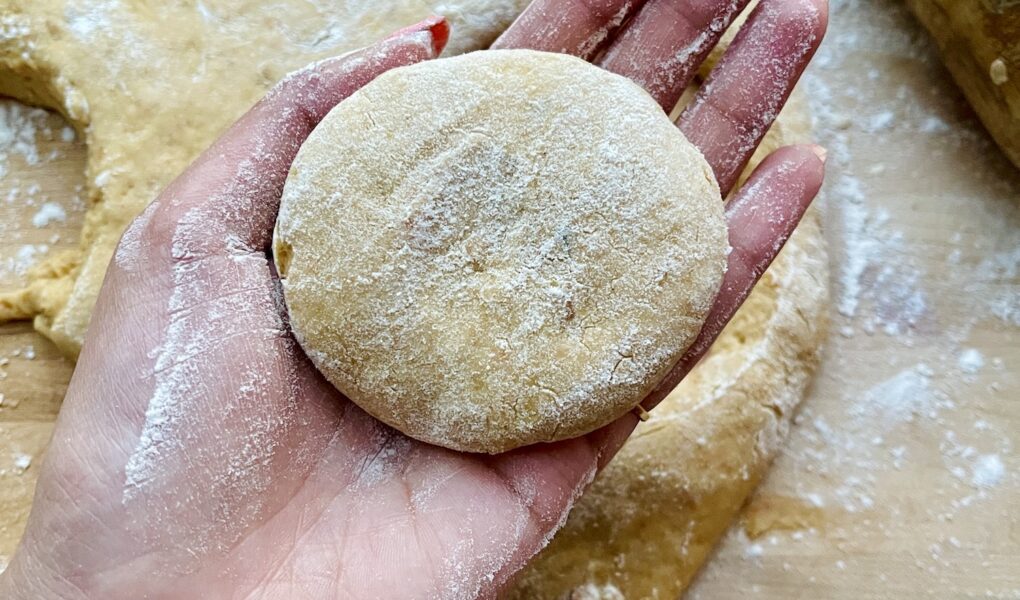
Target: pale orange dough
x,y
499,249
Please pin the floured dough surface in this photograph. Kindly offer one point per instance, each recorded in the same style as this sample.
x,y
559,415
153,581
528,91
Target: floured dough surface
x,y
499,249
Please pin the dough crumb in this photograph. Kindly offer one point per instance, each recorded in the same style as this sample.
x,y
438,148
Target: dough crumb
x,y
22,462
49,212
971,361
998,72
988,471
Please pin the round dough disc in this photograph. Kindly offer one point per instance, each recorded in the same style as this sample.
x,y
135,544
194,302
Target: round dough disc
x,y
498,249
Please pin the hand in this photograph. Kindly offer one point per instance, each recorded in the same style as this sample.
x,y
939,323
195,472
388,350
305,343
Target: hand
x,y
199,454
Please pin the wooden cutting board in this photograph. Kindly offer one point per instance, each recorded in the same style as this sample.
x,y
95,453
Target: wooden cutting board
x,y
902,479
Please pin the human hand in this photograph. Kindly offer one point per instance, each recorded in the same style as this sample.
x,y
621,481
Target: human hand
x,y
198,453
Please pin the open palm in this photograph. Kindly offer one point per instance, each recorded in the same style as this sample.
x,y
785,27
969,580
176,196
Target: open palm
x,y
199,454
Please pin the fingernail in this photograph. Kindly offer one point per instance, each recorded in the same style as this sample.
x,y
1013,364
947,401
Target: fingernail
x,y
820,152
435,25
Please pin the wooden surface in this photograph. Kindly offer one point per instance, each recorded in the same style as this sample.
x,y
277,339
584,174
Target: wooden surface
x,y
33,375
902,479
980,44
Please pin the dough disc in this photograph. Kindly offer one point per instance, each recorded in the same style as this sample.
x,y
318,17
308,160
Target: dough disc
x,y
498,249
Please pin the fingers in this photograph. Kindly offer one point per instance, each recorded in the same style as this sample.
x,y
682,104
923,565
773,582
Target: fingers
x,y
577,27
745,92
230,194
662,47
760,220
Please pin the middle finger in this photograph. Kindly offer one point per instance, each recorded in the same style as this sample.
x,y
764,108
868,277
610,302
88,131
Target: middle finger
x,y
663,46
577,27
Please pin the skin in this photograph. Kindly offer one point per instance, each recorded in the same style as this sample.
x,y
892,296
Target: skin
x,y
274,485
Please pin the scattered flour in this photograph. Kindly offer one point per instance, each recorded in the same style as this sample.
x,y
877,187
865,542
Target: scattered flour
x,y
24,258
970,361
33,137
591,591
22,461
902,398
988,471
1002,301
49,212
875,271
880,121
19,125
919,460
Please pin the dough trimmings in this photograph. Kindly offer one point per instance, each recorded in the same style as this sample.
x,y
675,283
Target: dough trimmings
x,y
135,80
499,249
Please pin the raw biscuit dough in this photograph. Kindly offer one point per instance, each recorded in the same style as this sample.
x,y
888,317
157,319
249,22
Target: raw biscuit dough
x,y
653,516
499,249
